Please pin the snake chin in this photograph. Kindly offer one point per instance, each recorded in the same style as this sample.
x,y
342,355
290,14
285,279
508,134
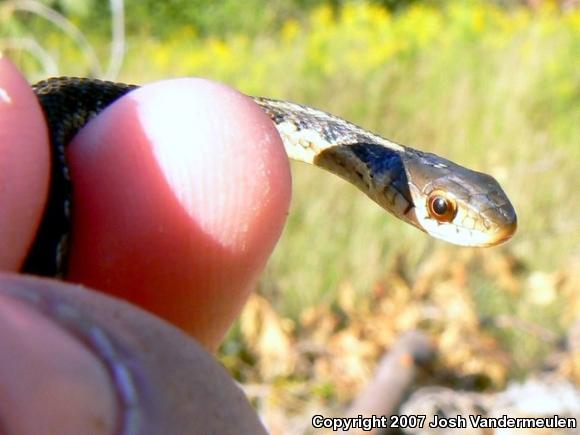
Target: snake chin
x,y
463,236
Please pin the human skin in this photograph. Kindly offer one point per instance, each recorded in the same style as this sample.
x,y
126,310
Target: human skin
x,y
181,190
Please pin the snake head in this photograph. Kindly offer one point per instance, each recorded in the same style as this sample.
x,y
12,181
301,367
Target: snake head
x,y
439,197
456,204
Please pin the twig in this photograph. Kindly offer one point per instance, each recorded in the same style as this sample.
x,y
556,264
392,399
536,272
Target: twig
x,y
395,374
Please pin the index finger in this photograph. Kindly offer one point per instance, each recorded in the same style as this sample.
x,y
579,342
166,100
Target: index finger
x,y
24,166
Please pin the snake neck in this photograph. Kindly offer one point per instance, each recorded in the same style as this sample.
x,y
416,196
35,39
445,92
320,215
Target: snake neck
x,y
370,162
307,132
378,171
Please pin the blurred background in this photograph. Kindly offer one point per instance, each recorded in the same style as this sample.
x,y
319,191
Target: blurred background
x,y
493,85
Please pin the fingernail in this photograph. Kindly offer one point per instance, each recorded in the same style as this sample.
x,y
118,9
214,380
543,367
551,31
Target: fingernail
x,y
51,381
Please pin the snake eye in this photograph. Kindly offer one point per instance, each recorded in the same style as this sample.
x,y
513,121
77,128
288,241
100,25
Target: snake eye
x,y
441,208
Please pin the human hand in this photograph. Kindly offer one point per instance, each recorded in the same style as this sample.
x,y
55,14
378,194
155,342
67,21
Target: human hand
x,y
180,193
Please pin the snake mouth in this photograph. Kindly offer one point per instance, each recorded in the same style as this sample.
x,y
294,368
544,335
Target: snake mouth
x,y
504,233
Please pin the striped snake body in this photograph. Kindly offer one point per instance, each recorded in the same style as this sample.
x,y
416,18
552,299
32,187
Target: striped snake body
x,y
443,199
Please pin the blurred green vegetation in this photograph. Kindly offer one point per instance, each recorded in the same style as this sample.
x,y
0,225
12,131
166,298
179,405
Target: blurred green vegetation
x,y
494,88
151,17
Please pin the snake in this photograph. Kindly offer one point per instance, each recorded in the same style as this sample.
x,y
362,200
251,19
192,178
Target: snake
x,y
444,199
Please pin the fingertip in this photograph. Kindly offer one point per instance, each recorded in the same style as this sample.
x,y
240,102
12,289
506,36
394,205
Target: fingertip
x,y
222,157
24,166
181,192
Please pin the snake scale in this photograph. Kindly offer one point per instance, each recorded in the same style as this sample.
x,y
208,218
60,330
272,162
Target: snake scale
x,y
441,198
